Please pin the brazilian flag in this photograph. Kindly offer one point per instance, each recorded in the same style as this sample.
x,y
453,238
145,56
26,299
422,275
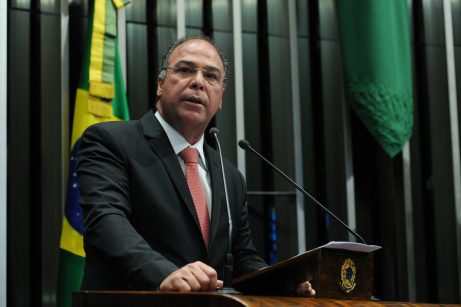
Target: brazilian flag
x,y
100,97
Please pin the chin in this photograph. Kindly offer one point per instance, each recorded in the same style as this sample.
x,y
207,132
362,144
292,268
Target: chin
x,y
193,119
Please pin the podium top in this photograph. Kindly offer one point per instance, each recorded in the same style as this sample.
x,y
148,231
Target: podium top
x,y
157,298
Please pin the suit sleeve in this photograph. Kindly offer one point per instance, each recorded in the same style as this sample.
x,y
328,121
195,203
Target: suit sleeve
x,y
105,200
246,258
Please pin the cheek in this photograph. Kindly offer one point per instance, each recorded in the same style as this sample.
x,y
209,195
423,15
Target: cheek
x,y
217,103
217,96
216,106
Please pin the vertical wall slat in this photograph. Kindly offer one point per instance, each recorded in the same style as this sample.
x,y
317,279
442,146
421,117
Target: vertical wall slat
x,y
52,128
454,125
180,18
297,135
238,75
121,36
3,146
350,180
409,234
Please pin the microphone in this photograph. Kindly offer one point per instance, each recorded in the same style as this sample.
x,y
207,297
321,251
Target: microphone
x,y
245,145
228,268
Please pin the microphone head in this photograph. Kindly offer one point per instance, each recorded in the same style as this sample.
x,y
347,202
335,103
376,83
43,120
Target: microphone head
x,y
244,144
213,131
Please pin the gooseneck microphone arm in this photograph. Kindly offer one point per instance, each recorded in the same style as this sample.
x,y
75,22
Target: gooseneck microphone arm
x,y
228,268
244,144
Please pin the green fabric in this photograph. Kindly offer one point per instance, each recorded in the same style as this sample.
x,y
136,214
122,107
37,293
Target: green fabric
x,y
110,36
375,45
119,103
70,277
85,72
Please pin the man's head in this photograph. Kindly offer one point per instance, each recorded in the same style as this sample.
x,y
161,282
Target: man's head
x,y
166,56
190,86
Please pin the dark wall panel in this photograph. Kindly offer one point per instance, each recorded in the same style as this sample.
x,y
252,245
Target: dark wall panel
x,y
225,119
19,161
442,181
252,107
38,145
335,134
334,120
308,144
281,116
54,151
256,204
138,70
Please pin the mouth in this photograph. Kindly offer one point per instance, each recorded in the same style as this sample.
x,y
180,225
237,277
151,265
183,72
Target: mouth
x,y
194,99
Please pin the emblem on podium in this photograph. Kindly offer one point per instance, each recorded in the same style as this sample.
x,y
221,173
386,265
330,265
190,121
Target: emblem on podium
x,y
348,271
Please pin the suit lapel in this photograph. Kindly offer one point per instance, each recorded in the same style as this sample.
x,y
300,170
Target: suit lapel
x,y
217,188
160,145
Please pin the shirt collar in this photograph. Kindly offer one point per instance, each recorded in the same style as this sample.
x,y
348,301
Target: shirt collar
x,y
178,142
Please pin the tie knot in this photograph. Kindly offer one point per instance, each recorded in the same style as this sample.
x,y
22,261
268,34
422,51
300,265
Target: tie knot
x,y
189,155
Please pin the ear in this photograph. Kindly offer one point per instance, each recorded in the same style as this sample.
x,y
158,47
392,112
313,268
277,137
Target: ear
x,y
220,104
159,87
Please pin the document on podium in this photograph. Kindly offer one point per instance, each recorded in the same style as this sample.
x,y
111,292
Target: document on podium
x,y
351,246
283,277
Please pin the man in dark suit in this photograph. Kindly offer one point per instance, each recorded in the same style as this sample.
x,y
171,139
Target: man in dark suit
x,y
154,219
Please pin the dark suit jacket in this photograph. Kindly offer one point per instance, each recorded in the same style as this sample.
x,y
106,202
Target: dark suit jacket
x,y
140,220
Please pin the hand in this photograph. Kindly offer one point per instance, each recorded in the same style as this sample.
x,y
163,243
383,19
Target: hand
x,y
195,276
305,289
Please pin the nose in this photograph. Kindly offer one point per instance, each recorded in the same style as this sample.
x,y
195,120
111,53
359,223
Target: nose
x,y
198,81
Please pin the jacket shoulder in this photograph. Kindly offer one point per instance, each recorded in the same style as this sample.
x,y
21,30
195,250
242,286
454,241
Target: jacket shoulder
x,y
113,127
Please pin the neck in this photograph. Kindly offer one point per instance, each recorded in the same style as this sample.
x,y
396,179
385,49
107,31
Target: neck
x,y
192,134
189,135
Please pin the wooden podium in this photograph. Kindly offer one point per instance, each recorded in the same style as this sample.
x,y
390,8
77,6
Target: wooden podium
x,y
338,270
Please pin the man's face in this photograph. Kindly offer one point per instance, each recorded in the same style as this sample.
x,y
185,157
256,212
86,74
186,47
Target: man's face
x,y
188,101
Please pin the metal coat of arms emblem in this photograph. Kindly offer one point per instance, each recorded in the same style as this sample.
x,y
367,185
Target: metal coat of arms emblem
x,y
348,272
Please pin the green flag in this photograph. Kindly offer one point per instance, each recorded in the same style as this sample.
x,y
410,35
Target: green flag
x,y
100,97
375,45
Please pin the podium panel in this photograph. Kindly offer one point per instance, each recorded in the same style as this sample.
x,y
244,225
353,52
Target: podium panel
x,y
335,273
331,278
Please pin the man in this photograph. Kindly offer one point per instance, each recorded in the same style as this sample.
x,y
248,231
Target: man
x,y
153,218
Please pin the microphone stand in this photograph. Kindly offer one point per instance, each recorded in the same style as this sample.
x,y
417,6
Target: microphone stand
x,y
229,267
245,145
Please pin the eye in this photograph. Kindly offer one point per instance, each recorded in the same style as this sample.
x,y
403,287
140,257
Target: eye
x,y
184,70
211,75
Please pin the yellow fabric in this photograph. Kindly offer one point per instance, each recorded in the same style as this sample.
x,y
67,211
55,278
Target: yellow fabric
x,y
71,240
99,107
82,118
97,40
118,4
102,89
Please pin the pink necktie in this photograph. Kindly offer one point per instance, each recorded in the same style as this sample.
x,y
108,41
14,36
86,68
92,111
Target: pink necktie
x,y
190,156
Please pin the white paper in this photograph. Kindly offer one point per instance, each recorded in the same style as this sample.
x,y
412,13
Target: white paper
x,y
351,246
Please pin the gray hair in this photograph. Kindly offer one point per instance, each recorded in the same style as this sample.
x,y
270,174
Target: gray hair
x,y
173,46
